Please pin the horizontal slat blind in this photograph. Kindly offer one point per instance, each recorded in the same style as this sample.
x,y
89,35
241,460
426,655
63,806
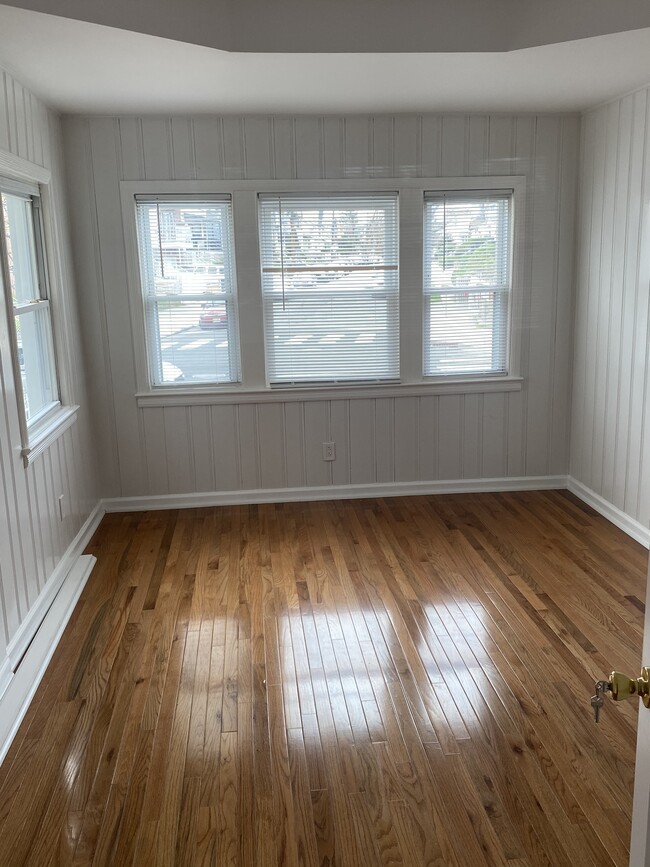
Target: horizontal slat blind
x,y
186,261
330,285
467,281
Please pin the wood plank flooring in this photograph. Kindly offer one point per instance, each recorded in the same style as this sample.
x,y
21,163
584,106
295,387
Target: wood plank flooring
x,y
371,682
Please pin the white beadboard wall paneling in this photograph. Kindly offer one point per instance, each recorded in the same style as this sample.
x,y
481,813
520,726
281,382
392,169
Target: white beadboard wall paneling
x,y
234,148
131,151
616,399
543,269
283,147
294,445
631,285
561,333
225,447
379,439
381,147
108,236
201,449
182,148
5,125
309,147
640,429
339,430
525,162
578,397
610,452
33,538
471,436
92,310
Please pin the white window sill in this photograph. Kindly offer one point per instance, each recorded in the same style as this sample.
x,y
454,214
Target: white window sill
x,y
184,396
48,433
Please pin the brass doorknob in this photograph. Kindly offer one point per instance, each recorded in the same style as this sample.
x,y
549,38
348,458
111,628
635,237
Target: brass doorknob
x,y
621,686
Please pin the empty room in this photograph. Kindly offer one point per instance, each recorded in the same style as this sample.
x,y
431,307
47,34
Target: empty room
x,y
324,433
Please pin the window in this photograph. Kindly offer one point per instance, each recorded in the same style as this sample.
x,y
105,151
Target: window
x,y
467,282
374,285
330,287
188,281
24,273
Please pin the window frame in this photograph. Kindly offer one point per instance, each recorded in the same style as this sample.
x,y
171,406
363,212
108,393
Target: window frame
x,y
253,386
390,295
154,349
505,320
24,178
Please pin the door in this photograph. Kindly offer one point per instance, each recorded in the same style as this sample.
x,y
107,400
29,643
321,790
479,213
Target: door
x,y
640,844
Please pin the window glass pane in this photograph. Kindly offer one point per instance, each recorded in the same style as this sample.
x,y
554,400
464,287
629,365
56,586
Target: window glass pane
x,y
330,282
466,283
467,242
186,256
36,359
466,331
21,248
193,341
314,339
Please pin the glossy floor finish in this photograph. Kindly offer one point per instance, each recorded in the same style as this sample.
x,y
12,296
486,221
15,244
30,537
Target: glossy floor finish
x,y
373,682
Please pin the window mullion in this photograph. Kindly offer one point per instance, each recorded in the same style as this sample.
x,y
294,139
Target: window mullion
x,y
410,303
247,264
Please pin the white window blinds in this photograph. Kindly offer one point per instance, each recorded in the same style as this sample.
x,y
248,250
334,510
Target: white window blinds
x,y
467,282
188,282
330,287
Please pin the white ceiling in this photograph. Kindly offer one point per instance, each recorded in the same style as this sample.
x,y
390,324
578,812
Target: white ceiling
x,y
88,68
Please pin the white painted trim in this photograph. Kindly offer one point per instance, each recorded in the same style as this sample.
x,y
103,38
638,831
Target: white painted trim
x,y
16,167
25,681
39,610
333,492
209,397
617,516
6,675
129,189
49,433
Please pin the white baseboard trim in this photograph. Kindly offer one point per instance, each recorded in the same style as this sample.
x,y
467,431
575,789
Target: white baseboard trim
x,y
331,492
21,640
617,516
23,684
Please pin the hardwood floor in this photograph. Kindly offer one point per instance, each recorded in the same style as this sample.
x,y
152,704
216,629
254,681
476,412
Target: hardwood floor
x,y
371,682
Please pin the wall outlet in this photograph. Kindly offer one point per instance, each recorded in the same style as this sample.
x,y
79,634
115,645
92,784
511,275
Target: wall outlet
x,y
329,451
61,506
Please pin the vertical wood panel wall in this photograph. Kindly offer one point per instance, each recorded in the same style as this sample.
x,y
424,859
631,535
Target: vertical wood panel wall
x,y
33,538
175,450
610,442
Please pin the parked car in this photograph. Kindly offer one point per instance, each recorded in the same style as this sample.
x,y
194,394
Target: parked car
x,y
213,316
